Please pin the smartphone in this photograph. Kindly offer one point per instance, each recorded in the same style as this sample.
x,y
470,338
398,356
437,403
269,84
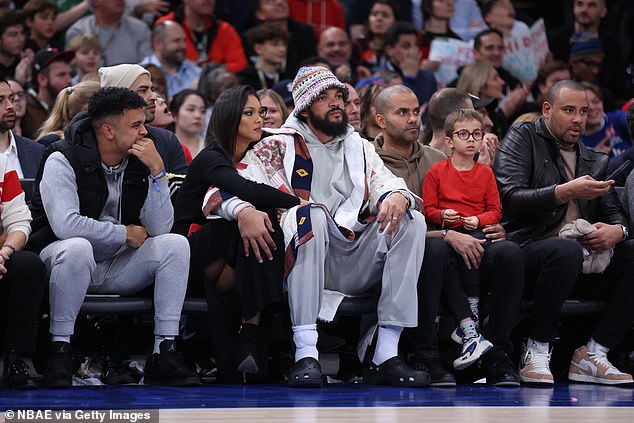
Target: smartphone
x,y
618,170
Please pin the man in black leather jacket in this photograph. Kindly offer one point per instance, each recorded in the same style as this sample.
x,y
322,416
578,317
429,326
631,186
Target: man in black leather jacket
x,y
547,178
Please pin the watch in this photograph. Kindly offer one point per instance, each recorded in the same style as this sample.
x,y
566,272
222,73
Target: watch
x,y
626,233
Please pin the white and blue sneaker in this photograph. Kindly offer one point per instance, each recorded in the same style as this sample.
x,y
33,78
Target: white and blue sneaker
x,y
472,350
458,335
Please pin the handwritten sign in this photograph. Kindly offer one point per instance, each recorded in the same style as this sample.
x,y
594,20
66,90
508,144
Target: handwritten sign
x,y
451,54
525,51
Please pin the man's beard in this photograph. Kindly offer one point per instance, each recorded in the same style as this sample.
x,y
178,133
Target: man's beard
x,y
328,127
6,126
172,58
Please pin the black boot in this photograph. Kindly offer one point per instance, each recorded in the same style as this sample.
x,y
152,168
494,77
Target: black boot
x,y
16,372
498,369
59,369
440,377
247,349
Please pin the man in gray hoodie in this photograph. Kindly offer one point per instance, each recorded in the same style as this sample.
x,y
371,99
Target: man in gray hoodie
x,y
105,197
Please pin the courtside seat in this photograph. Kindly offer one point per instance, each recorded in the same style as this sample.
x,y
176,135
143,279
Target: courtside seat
x,y
104,305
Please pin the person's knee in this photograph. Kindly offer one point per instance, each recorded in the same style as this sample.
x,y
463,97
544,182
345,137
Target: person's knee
x,y
566,251
174,245
416,223
76,252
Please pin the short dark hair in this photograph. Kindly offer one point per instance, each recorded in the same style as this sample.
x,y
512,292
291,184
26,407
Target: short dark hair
x,y
225,120
459,116
555,90
267,31
10,18
32,7
395,32
113,101
177,101
477,40
444,102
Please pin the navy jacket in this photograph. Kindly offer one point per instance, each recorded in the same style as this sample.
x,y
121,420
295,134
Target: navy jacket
x,y
30,155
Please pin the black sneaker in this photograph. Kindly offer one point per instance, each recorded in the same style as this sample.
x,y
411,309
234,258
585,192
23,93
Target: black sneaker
x,y
121,374
168,368
499,370
16,372
59,369
439,376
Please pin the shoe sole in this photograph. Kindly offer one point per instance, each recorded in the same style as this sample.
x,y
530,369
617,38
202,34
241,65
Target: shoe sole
x,y
455,338
305,383
525,379
507,384
593,379
443,384
374,380
475,357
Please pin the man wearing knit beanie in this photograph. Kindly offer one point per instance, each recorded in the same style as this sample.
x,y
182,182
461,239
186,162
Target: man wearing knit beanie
x,y
355,230
138,79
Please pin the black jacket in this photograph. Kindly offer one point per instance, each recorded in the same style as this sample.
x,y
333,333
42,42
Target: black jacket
x,y
528,167
79,146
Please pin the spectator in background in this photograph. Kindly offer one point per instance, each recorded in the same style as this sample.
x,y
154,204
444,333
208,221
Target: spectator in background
x,y
51,74
22,154
302,43
15,61
369,129
68,103
437,14
208,39
188,109
214,79
403,57
170,49
357,12
383,14
269,42
548,74
319,14
88,53
335,45
39,19
124,39
276,111
489,45
163,117
617,161
19,104
588,17
353,108
158,80
467,21
586,61
605,132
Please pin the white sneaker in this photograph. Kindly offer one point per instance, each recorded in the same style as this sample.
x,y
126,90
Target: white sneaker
x,y
587,366
534,367
472,350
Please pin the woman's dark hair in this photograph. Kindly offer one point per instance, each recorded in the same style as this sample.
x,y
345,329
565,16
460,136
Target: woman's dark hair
x,y
226,116
177,101
392,5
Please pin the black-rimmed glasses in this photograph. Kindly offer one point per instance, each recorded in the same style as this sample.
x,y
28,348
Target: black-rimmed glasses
x,y
463,134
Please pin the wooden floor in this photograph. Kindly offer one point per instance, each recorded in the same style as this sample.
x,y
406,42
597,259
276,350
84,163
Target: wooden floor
x,y
405,415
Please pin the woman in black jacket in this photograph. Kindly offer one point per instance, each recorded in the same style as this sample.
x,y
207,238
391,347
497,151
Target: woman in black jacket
x,y
237,282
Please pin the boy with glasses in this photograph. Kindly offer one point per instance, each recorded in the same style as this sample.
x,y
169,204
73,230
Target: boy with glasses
x,y
466,200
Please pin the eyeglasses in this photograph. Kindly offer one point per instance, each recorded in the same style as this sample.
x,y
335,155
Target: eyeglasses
x,y
464,134
18,95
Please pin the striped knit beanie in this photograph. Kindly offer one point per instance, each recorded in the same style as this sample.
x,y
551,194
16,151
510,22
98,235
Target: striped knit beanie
x,y
310,82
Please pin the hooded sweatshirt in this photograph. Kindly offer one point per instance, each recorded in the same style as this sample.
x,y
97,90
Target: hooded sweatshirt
x,y
413,169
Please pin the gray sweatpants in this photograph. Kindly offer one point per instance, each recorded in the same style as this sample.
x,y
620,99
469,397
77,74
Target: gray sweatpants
x,y
355,267
162,260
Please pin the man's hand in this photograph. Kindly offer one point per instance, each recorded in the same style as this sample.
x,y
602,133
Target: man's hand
x,y
494,232
584,188
392,208
254,227
449,216
470,223
606,236
409,64
145,151
514,100
469,248
155,7
23,68
135,235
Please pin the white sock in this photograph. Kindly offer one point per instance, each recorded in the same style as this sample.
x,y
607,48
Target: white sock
x,y
595,347
305,339
387,343
157,341
61,338
473,305
539,347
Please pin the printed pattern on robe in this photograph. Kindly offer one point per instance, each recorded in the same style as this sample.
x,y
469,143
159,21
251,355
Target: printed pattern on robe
x,y
213,198
302,169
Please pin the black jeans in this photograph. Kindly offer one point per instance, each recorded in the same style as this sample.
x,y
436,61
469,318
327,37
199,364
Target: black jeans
x,y
502,275
22,287
555,266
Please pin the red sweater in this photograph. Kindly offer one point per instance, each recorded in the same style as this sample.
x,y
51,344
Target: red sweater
x,y
320,14
469,192
226,47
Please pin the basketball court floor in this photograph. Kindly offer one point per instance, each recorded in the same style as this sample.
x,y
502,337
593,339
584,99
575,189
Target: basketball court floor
x,y
471,403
